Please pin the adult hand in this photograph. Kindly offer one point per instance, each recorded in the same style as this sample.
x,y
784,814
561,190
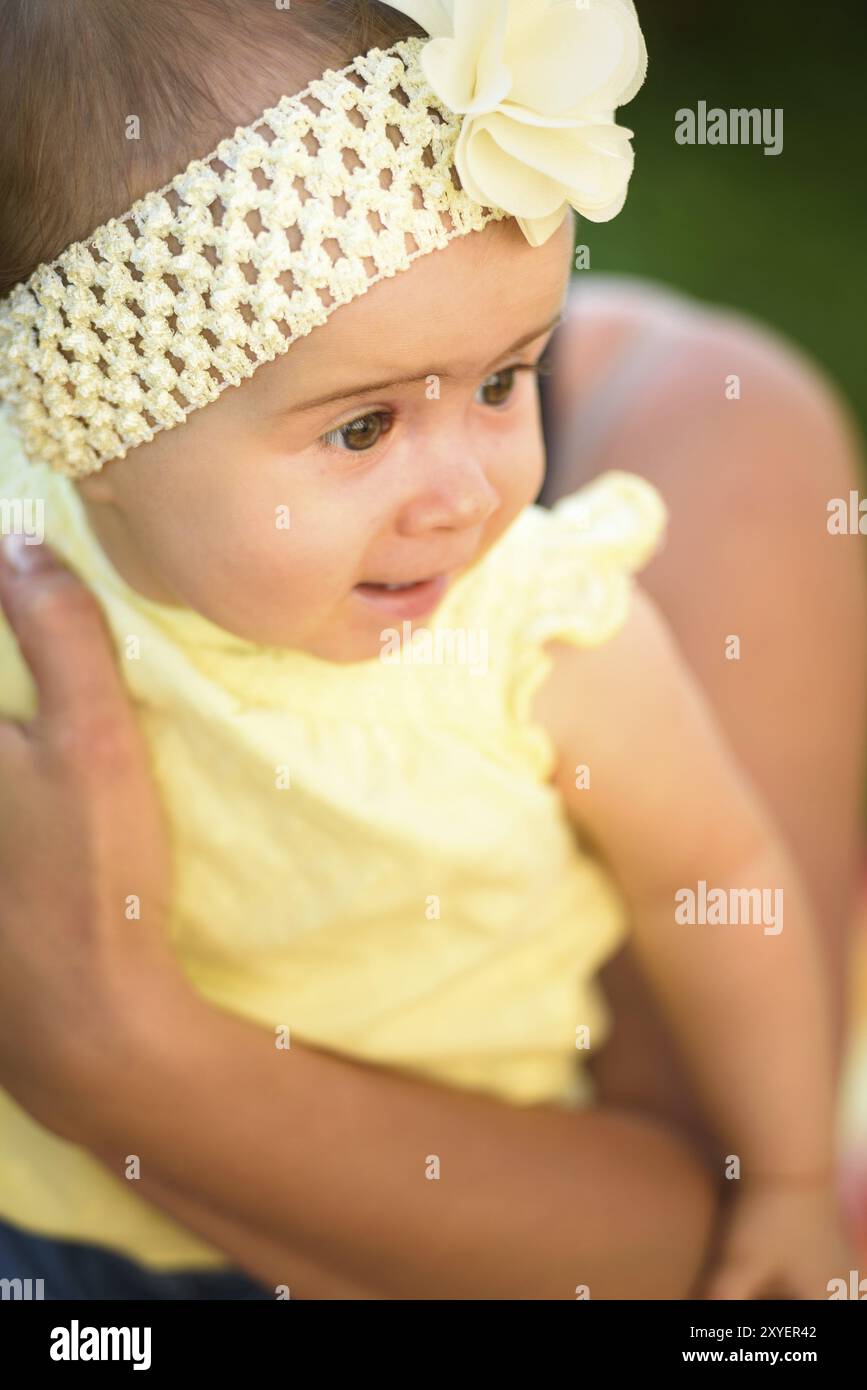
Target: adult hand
x,y
81,839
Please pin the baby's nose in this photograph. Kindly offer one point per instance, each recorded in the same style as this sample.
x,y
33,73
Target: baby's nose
x,y
454,493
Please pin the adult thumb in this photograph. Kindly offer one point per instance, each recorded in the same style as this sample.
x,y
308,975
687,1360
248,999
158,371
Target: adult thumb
x,y
62,636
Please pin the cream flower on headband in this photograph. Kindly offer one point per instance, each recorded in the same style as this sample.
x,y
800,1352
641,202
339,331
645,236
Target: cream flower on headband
x,y
538,82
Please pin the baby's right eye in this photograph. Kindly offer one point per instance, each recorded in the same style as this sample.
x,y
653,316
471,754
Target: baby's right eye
x,y
359,435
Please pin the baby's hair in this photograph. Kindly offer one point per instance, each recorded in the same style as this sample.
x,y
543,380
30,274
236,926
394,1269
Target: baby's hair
x,y
102,101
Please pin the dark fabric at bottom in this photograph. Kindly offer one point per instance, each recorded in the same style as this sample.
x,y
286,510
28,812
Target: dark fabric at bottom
x,y
73,1270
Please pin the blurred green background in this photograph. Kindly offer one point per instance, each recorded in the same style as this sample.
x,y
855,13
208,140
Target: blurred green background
x,y
782,237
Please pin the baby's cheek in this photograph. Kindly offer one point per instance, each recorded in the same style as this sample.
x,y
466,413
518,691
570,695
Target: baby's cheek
x,y
278,591
532,476
519,469
518,479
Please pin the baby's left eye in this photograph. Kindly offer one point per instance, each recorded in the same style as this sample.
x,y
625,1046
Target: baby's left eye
x,y
498,388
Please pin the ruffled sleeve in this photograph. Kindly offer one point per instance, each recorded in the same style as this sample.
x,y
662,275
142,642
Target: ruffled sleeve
x,y
578,563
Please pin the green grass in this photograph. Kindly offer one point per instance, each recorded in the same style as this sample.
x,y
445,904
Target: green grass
x,y
782,237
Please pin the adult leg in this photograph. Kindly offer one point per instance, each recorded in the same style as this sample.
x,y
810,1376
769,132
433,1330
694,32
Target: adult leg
x,y
747,482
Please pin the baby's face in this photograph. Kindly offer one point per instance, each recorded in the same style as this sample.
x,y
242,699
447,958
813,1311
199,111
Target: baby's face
x,y
279,516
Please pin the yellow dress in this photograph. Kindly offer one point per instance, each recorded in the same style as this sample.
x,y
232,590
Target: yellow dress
x,y
369,854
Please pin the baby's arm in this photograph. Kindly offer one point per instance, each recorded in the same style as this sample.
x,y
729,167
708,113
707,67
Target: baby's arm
x,y
667,806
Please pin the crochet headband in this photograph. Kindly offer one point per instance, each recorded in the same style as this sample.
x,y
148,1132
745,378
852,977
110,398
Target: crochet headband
x,y
507,110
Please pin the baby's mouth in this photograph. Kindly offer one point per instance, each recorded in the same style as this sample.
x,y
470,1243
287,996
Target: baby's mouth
x,y
409,599
396,588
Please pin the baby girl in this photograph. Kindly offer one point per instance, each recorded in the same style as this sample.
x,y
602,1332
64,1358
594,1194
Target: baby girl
x,y
421,863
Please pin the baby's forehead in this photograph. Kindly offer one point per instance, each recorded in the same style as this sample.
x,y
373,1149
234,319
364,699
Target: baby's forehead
x,y
450,310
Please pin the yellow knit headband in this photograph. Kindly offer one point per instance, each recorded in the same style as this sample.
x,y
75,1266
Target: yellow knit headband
x,y
329,191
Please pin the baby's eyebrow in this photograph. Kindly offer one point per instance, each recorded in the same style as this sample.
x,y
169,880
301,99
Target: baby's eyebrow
x,y
345,392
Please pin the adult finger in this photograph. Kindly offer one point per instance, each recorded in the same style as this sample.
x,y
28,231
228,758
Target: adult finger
x,y
63,639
